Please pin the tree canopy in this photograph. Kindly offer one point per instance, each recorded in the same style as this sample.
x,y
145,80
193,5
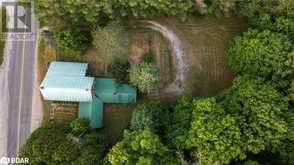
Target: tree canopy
x,y
70,40
111,42
145,76
52,144
264,54
142,148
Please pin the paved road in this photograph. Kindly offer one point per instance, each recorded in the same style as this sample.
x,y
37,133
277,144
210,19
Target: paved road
x,y
20,82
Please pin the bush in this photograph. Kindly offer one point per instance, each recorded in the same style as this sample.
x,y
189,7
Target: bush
x,y
120,71
70,40
148,116
80,126
145,76
148,58
111,42
264,54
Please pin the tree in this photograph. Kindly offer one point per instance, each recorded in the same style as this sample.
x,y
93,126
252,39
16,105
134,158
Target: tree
x,y
264,54
94,148
291,92
180,123
111,42
145,76
80,126
281,24
44,142
142,148
70,40
259,110
153,8
51,145
148,116
214,134
74,13
251,162
120,71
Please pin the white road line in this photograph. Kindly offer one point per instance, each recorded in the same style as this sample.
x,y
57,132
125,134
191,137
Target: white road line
x,y
20,96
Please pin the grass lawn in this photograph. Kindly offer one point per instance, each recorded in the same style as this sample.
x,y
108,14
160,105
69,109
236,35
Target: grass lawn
x,y
2,41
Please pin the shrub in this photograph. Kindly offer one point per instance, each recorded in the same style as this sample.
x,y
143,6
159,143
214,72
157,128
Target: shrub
x,y
70,40
145,76
148,116
80,126
120,71
111,42
148,58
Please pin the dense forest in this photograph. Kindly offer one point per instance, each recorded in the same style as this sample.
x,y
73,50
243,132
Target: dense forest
x,y
249,123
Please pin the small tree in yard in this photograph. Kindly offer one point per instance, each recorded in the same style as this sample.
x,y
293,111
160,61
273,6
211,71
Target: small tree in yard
x,y
70,40
111,42
148,116
145,76
80,126
119,71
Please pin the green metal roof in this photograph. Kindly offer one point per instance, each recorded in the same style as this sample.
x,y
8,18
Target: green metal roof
x,y
109,92
66,81
93,111
67,69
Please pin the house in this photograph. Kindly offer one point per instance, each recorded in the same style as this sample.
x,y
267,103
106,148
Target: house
x,y
68,82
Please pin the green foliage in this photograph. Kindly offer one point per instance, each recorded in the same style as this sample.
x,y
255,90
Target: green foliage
x,y
142,148
259,109
80,126
148,58
251,162
145,76
111,42
250,8
282,24
51,145
70,40
153,8
119,70
222,7
180,123
214,134
148,116
94,148
78,12
259,7
264,54
43,143
291,92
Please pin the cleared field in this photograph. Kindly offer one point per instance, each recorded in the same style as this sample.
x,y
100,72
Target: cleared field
x,y
204,40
